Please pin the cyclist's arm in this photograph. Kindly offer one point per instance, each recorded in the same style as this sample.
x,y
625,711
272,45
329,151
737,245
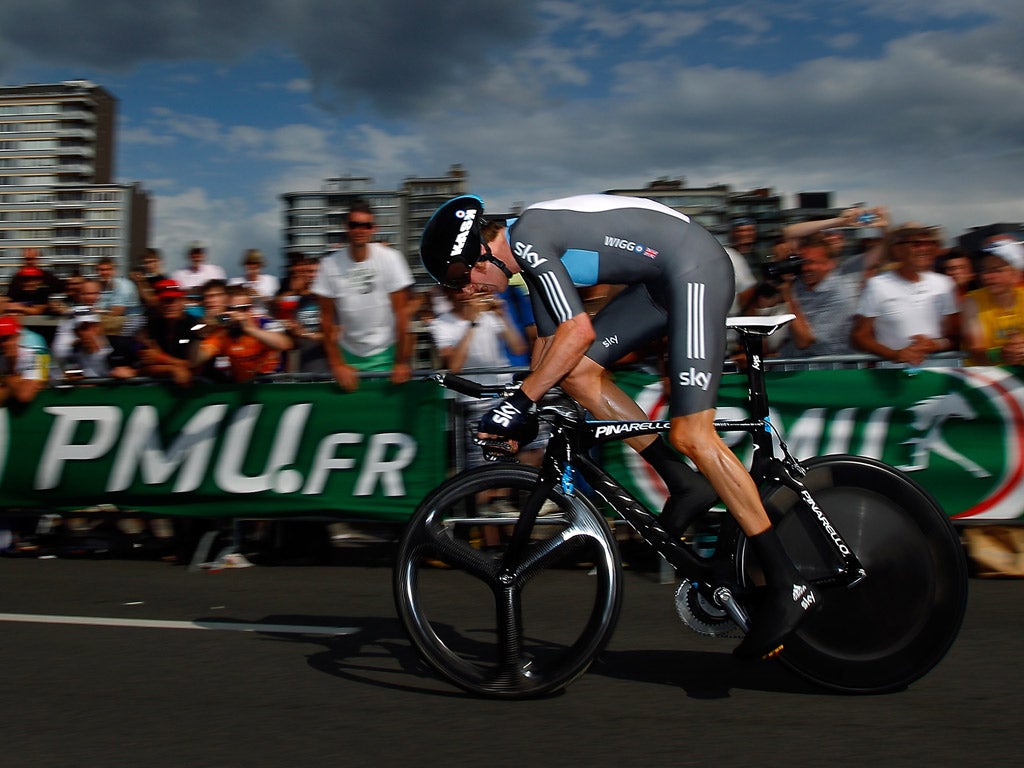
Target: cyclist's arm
x,y
558,355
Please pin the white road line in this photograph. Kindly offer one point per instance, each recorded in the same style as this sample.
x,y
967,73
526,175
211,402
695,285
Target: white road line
x,y
229,626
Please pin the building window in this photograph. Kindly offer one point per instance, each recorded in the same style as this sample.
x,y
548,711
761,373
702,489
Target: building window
x,y
100,233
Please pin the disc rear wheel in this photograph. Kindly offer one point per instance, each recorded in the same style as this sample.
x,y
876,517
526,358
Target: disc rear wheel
x,y
894,626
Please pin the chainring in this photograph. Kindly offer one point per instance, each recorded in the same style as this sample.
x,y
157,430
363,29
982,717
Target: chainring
x,y
701,615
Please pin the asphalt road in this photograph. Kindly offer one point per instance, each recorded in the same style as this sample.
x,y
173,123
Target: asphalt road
x,y
162,693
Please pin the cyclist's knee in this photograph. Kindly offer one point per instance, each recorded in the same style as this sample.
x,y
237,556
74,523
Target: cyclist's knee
x,y
584,381
693,434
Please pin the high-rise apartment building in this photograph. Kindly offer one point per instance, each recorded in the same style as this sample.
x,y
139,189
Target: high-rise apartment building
x,y
56,179
424,196
314,221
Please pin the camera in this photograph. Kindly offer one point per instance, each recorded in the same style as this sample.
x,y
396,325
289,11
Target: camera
x,y
233,327
867,218
776,271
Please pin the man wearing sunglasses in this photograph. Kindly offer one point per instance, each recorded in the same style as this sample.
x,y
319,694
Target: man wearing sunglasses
x,y
679,284
363,291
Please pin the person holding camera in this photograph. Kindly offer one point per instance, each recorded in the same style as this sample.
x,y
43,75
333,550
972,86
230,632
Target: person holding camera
x,y
821,297
870,226
249,344
475,334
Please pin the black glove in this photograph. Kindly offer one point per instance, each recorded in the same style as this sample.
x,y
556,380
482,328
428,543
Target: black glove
x,y
513,419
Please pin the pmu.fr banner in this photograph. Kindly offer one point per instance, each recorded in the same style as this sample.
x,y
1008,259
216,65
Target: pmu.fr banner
x,y
959,432
255,449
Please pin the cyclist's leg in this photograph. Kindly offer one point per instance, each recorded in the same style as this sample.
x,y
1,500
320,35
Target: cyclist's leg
x,y
694,435
699,290
629,321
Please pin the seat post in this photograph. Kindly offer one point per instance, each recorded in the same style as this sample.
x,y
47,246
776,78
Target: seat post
x,y
757,395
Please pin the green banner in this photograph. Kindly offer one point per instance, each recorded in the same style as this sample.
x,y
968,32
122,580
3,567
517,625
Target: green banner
x,y
959,432
306,449
256,449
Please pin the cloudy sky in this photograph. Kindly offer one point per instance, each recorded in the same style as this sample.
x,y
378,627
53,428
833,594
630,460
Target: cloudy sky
x,y
917,105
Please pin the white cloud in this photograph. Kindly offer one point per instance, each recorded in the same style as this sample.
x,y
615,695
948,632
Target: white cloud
x,y
144,136
844,41
299,85
195,216
548,98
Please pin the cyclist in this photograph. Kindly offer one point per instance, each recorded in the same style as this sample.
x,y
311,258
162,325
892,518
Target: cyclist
x,y
679,283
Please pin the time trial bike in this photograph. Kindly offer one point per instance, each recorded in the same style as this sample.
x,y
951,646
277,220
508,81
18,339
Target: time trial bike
x,y
508,578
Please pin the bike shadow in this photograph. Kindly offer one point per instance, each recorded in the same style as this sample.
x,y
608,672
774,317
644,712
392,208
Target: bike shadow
x,y
378,653
702,674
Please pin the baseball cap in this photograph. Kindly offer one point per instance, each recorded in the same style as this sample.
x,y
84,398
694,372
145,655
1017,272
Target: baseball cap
x,y
9,326
168,289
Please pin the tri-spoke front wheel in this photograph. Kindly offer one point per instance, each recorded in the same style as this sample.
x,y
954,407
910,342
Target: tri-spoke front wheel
x,y
504,626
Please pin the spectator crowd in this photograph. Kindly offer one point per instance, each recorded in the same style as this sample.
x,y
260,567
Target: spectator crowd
x,y
855,284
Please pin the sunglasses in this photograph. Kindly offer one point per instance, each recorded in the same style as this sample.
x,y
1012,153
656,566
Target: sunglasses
x,y
361,225
239,307
456,277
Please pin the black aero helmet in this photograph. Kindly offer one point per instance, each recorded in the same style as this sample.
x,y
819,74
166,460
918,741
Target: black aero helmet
x,y
450,244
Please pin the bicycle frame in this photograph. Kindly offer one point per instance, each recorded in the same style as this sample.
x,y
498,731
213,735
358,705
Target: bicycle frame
x,y
573,437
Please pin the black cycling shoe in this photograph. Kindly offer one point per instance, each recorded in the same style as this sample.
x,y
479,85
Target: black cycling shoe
x,y
682,509
779,614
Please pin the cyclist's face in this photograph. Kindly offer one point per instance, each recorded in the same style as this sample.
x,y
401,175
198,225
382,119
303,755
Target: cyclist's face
x,y
485,276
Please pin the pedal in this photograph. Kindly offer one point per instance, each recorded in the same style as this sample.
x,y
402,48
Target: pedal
x,y
725,600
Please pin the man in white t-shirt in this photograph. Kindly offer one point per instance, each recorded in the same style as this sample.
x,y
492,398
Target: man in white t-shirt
x,y
198,272
910,312
363,291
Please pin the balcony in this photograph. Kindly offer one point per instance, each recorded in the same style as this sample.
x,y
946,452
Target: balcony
x,y
77,114
86,134
79,150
